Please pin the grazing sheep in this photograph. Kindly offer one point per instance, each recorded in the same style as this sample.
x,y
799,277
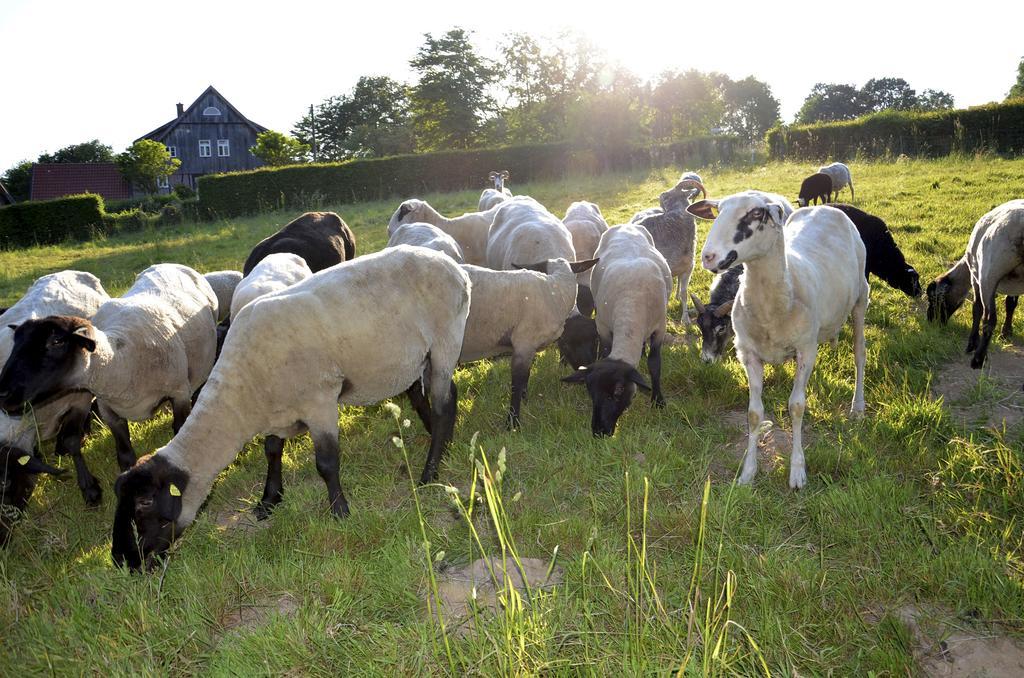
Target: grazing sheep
x,y
323,239
715,319
841,178
524,232
469,230
946,294
631,284
156,343
419,234
675,234
276,272
884,258
491,197
586,224
578,344
350,340
66,418
223,284
816,188
800,284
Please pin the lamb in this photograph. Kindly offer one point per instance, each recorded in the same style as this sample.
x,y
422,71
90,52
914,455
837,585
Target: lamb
x,y
323,239
631,284
884,258
675,234
65,419
276,272
419,234
223,284
156,343
491,197
840,175
714,319
469,230
800,283
946,294
817,188
407,339
586,224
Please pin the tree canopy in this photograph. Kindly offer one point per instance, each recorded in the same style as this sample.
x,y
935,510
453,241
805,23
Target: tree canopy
x,y
145,162
274,148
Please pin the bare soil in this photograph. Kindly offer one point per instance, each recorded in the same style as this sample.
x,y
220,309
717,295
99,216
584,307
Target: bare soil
x,y
255,613
990,397
947,646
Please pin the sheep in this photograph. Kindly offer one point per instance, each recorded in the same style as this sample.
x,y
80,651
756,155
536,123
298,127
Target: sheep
x,y
350,340
491,197
519,312
884,258
675,234
469,230
691,176
817,188
65,418
995,257
524,232
223,284
631,284
802,280
586,224
276,272
323,239
421,234
840,175
714,319
156,343
946,294
579,341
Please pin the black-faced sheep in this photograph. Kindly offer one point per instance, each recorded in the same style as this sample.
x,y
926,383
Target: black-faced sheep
x,y
884,258
470,230
815,188
714,318
586,224
420,234
947,293
323,239
841,178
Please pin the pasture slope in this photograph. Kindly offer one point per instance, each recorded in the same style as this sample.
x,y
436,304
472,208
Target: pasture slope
x,y
910,526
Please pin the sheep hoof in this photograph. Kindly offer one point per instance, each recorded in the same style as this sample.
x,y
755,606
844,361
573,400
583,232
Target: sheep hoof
x,y
797,477
977,362
746,478
340,509
93,494
263,510
857,411
658,400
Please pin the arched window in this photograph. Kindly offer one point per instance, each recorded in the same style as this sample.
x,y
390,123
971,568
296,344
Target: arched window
x,y
211,110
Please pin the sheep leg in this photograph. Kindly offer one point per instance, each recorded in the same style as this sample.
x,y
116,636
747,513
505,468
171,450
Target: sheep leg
x,y
797,405
327,451
521,364
420,402
604,348
654,367
976,312
444,407
118,426
69,441
180,410
989,324
1011,306
273,448
755,414
859,354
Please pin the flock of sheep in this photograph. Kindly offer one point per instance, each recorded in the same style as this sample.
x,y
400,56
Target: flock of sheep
x,y
307,325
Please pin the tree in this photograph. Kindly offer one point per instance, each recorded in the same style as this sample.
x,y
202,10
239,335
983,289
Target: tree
x,y
89,151
881,94
829,102
145,162
18,180
934,100
451,98
274,148
685,104
1018,87
750,108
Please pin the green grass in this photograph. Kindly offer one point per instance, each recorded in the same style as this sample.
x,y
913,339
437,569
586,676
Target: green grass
x,y
906,505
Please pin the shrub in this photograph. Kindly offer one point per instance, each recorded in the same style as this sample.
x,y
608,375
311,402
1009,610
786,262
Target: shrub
x,y
184,192
46,222
148,203
170,214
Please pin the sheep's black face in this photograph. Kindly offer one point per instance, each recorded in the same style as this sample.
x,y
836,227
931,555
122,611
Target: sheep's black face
x,y
940,306
611,385
148,506
910,283
716,331
44,352
18,471
578,343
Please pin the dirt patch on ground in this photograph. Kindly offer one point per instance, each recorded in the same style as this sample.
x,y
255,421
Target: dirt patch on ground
x,y
773,448
991,396
241,519
255,613
947,646
687,339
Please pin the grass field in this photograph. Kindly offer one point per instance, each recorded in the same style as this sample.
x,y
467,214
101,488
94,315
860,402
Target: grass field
x,y
912,506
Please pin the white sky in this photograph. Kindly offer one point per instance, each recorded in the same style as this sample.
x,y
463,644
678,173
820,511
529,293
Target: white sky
x,y
113,70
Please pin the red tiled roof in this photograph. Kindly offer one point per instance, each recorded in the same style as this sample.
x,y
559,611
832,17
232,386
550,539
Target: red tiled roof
x,y
53,180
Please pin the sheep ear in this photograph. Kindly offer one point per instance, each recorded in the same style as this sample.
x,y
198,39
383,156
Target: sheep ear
x,y
776,212
724,310
32,464
639,380
704,209
169,502
83,336
541,267
492,175
580,266
577,377
697,303
12,327
506,174
124,549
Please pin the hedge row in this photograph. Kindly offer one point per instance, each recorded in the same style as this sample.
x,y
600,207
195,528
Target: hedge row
x,y
992,128
46,222
299,186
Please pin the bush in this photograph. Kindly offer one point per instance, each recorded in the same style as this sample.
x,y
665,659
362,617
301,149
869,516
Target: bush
x,y
995,128
150,203
46,222
170,214
184,192
298,186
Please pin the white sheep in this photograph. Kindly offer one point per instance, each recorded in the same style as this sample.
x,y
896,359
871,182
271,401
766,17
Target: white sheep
x,y
223,284
64,418
802,280
419,234
631,285
491,197
156,343
469,230
524,232
274,272
349,339
840,175
586,224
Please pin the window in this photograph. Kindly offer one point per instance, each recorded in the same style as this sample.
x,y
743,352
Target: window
x,y
211,110
204,148
223,148
173,150
163,182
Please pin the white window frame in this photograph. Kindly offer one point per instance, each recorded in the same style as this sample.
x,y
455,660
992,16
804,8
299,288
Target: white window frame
x,y
211,111
173,150
204,145
163,182
223,148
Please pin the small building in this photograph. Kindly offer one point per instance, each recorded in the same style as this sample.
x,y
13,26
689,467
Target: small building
x,y
56,179
210,136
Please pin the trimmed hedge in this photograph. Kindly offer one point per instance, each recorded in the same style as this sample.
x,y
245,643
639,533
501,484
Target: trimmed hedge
x,y
303,186
46,222
995,128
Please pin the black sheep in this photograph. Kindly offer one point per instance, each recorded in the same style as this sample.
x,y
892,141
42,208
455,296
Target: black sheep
x,y
715,319
323,239
817,187
884,258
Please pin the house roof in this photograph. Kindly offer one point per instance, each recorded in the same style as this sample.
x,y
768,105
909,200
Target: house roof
x,y
5,196
53,180
160,132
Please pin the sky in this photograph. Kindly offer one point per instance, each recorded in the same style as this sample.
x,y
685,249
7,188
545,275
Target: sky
x,y
112,70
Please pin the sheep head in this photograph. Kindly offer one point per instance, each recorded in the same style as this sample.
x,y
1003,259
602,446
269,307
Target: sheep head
x,y
746,226
46,357
148,507
611,385
18,471
715,323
